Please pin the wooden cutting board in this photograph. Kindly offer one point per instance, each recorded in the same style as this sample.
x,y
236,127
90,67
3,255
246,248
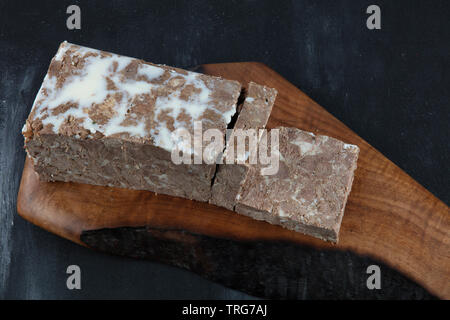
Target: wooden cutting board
x,y
389,216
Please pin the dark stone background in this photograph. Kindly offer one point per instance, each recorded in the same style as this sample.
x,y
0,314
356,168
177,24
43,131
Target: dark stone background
x,y
391,86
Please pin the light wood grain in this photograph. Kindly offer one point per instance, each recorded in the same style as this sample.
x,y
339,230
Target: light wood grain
x,y
389,216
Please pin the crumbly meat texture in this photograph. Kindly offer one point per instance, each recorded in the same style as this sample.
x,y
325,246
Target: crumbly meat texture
x,y
309,192
106,119
254,114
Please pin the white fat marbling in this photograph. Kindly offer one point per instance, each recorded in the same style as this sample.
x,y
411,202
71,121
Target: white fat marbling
x,y
151,72
281,213
90,87
305,147
349,146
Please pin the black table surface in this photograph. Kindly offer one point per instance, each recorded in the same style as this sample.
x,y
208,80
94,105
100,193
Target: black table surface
x,y
391,86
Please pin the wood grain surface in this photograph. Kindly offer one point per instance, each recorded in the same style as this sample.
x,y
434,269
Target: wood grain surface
x,y
389,216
